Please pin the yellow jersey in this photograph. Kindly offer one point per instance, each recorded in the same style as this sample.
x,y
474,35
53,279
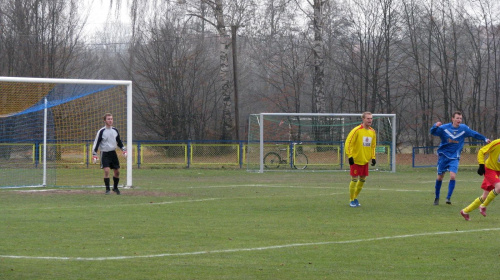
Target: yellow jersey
x,y
360,144
493,151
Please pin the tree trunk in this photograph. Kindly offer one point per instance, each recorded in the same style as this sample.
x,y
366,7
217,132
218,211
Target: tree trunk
x,y
227,120
319,103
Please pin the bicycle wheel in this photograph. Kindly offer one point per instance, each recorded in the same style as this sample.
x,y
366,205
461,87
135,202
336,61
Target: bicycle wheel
x,y
272,160
300,161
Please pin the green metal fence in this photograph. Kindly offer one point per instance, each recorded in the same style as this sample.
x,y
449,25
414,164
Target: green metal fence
x,y
149,154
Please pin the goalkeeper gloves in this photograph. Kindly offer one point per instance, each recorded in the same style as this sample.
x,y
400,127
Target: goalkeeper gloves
x,y
351,161
94,159
374,162
124,153
481,170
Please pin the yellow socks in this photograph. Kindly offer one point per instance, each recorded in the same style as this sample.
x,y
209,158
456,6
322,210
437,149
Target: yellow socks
x,y
474,205
489,198
352,189
359,186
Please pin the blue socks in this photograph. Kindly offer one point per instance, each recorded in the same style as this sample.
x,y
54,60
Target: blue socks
x,y
438,187
451,187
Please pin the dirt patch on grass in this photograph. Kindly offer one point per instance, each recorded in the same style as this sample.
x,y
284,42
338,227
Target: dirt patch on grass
x,y
127,192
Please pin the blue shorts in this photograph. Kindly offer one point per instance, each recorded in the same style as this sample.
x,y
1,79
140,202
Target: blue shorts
x,y
447,164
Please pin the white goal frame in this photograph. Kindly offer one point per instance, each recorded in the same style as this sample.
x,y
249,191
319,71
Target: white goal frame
x,y
261,132
126,83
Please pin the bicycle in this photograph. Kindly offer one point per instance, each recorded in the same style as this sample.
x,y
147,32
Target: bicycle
x,y
298,159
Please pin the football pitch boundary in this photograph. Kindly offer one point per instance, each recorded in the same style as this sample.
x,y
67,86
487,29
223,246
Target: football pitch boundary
x,y
250,249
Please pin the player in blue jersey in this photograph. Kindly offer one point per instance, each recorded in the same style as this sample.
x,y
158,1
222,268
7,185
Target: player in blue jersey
x,y
452,141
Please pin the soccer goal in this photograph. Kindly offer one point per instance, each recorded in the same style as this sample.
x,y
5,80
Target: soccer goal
x,y
314,142
48,126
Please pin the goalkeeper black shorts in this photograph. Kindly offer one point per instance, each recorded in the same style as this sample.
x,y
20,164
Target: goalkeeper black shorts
x,y
110,159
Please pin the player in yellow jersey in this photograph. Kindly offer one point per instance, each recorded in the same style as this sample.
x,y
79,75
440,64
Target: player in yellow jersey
x,y
360,150
491,183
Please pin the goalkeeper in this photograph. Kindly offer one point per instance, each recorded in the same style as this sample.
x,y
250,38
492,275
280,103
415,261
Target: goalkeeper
x,y
491,183
360,149
106,140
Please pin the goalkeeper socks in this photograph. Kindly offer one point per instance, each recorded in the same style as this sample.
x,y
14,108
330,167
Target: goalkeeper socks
x,y
115,182
438,187
106,183
489,198
451,187
359,186
474,205
352,188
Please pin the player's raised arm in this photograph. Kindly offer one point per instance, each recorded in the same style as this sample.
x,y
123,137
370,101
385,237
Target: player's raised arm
x,y
435,127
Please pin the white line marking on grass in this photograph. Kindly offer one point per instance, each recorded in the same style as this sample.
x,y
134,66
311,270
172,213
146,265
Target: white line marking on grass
x,y
250,249
398,190
447,181
182,201
258,186
121,205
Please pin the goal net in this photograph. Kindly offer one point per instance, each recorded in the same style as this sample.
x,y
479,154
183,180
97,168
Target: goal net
x,y
48,126
315,142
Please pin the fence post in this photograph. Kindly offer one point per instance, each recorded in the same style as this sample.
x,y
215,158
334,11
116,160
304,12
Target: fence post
x,y
240,154
87,157
37,151
342,155
189,151
139,151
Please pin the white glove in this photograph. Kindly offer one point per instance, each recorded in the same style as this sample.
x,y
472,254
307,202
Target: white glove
x,y
94,159
124,153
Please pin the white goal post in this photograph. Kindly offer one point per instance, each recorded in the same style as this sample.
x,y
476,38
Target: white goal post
x,y
313,141
28,104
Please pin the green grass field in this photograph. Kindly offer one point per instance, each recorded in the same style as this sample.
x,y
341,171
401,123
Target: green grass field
x,y
231,224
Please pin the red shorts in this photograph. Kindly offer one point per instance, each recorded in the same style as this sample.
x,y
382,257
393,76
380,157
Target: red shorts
x,y
490,179
359,170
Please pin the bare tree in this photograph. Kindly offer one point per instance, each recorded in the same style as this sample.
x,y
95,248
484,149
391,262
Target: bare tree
x,y
492,84
417,81
318,100
280,58
39,38
285,72
175,93
389,31
421,61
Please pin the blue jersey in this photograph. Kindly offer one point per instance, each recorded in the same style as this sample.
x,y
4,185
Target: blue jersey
x,y
452,139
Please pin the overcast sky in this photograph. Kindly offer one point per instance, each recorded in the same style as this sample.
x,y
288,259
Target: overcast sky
x,y
99,12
